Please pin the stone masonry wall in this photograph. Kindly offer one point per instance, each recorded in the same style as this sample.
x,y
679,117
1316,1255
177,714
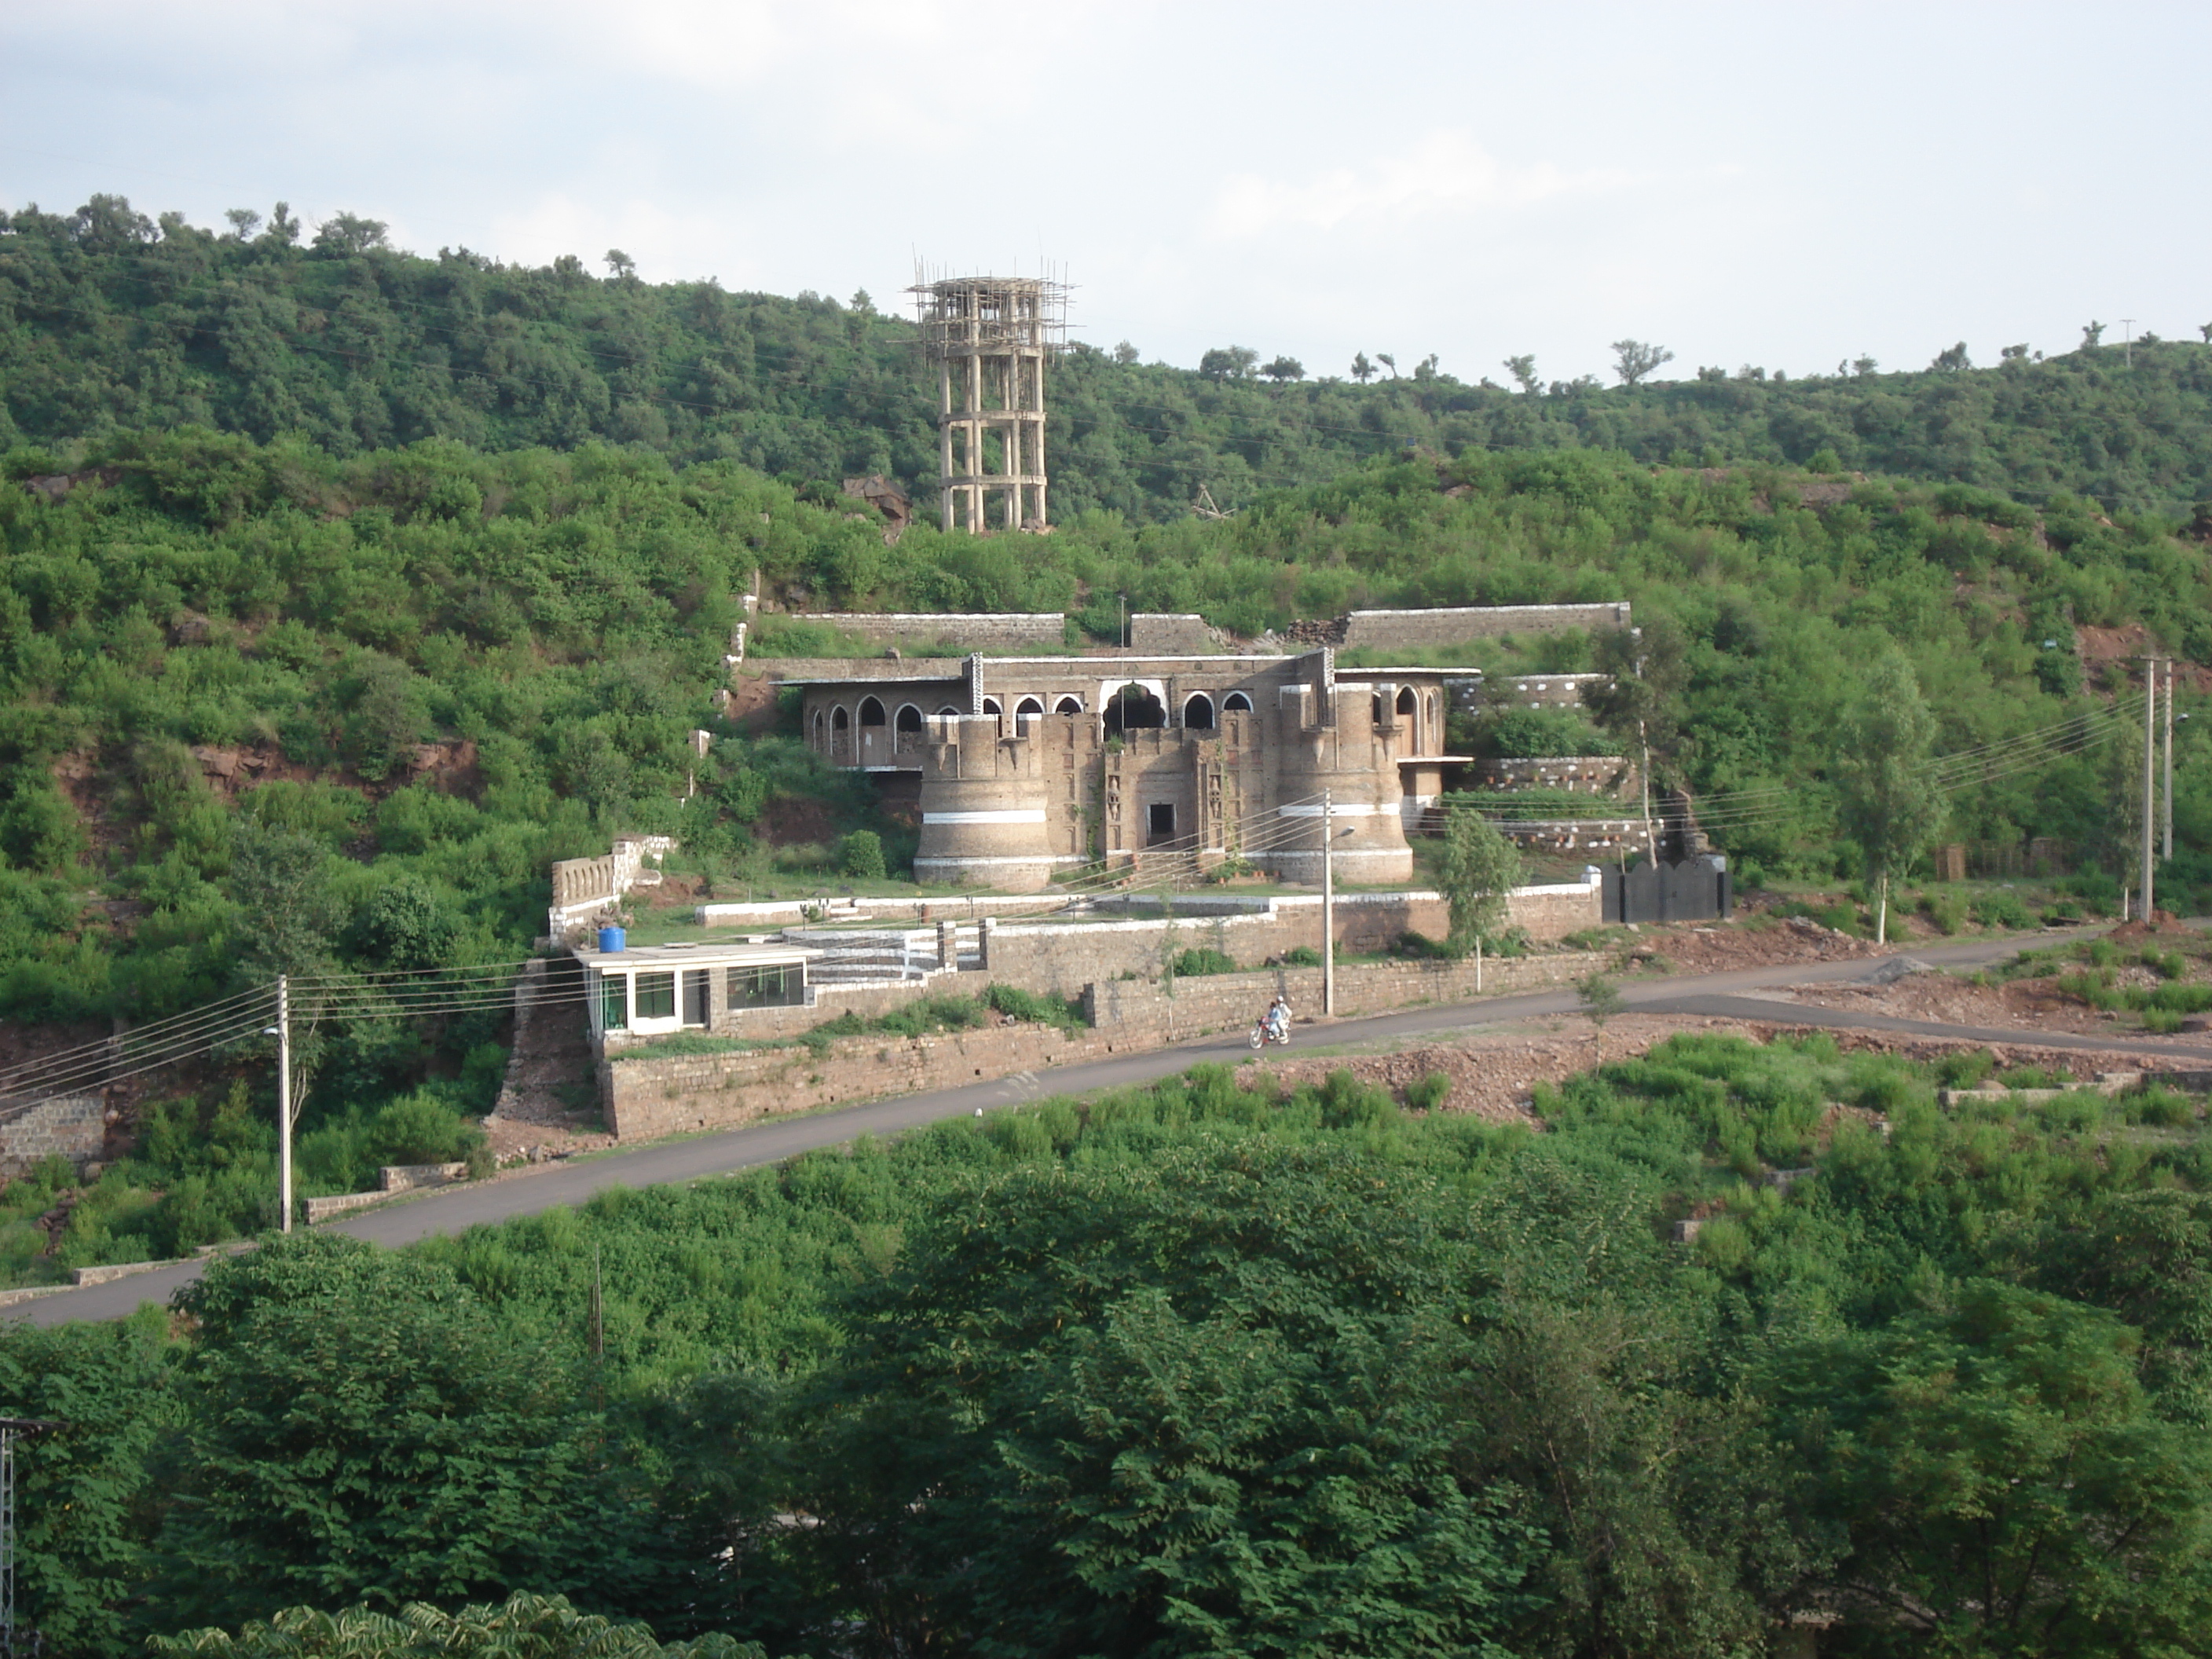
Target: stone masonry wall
x,y
1456,626
73,1126
644,1097
1170,634
1142,1014
959,631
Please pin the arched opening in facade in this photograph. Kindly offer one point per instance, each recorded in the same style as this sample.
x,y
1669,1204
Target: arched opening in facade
x,y
909,719
1375,704
1133,708
821,729
1068,706
1028,706
991,706
948,709
840,720
1198,711
907,723
1409,708
841,734
871,712
1237,703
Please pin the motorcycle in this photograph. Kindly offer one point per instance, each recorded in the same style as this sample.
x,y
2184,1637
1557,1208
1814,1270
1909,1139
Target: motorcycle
x,y
1263,1033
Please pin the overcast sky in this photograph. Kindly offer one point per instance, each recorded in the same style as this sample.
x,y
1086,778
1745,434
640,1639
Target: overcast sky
x,y
1779,184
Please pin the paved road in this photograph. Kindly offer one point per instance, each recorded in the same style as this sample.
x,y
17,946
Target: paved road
x,y
525,1193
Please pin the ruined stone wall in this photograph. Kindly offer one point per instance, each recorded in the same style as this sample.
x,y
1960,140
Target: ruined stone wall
x,y
1387,630
73,1126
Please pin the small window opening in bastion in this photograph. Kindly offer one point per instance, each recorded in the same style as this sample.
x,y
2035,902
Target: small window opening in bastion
x,y
1159,823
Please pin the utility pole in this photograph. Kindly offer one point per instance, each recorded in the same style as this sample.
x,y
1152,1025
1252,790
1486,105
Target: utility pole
x,y
2128,351
2166,794
2150,786
284,1101
1327,905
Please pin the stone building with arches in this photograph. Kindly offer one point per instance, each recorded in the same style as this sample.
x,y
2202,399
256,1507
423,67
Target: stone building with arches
x,y
1025,768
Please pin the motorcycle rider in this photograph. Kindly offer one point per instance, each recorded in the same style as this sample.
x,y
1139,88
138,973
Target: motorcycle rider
x,y
1278,1019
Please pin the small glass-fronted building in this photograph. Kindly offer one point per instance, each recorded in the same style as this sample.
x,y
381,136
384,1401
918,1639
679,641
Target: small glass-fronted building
x,y
657,990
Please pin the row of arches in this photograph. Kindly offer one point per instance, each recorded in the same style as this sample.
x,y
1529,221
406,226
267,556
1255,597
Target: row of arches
x,y
1130,708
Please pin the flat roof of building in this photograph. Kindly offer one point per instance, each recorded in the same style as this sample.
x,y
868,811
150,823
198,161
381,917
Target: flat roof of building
x,y
653,958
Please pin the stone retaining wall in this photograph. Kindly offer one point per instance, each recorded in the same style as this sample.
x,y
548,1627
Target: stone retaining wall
x,y
642,1098
73,1126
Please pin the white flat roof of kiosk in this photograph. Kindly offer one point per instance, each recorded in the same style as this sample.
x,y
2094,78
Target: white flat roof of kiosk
x,y
658,958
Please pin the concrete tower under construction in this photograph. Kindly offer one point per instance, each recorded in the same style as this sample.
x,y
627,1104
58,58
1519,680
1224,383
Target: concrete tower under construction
x,y
988,338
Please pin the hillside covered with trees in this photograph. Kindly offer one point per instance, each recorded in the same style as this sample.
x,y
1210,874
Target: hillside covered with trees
x,y
110,320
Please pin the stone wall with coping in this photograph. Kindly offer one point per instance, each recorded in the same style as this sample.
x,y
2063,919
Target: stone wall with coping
x,y
73,1126
959,631
1457,625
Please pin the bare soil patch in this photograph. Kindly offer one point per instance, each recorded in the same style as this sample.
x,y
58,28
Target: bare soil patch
x,y
1718,948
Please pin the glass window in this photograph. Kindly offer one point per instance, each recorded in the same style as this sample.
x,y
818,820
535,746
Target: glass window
x,y
696,991
780,986
656,996
614,1002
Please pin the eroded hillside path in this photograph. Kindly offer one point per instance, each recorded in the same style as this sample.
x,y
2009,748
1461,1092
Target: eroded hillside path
x,y
1728,996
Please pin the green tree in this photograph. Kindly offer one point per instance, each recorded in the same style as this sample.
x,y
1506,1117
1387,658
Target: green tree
x,y
1885,744
363,1429
281,879
83,1491
1635,362
2002,1482
541,1626
1523,371
1194,1404
1279,369
1480,867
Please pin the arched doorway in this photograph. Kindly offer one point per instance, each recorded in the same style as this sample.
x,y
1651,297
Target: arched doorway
x,y
907,726
1409,708
1133,708
840,736
1198,711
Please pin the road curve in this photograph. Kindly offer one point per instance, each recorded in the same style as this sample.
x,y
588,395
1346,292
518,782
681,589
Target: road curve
x,y
451,1210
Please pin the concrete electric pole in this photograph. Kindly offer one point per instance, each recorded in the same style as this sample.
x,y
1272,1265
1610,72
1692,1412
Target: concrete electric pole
x,y
2165,795
2150,782
1327,905
284,1102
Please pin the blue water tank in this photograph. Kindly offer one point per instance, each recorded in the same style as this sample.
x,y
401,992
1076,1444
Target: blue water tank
x,y
610,939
